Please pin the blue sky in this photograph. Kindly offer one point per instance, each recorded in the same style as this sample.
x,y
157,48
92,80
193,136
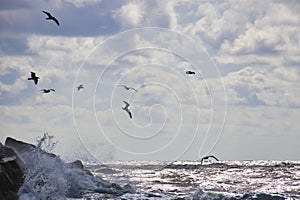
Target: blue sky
x,y
243,102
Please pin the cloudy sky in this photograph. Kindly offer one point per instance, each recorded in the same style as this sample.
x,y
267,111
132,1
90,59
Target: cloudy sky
x,y
242,103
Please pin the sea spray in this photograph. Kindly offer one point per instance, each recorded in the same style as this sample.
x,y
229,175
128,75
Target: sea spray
x,y
49,177
45,178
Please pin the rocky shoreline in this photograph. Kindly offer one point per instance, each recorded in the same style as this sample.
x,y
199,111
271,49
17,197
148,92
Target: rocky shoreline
x,y
14,172
11,173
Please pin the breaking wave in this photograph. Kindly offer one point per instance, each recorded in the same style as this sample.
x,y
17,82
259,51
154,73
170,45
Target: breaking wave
x,y
49,177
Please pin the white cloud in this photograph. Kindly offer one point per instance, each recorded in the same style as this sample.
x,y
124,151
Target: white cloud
x,y
82,3
129,15
13,89
267,34
147,13
61,49
273,87
264,36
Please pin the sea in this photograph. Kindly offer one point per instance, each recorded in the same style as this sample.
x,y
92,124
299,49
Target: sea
x,y
211,180
50,177
151,180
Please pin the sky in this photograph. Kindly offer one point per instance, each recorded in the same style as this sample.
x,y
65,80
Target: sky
x,y
243,103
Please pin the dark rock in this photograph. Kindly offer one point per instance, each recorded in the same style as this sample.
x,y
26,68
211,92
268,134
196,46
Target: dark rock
x,y
76,164
11,173
23,148
79,179
129,189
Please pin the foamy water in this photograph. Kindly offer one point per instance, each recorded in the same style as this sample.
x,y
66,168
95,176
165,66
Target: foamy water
x,y
49,177
215,180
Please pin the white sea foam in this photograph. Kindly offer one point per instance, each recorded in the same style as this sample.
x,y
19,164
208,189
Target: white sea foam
x,y
276,180
49,177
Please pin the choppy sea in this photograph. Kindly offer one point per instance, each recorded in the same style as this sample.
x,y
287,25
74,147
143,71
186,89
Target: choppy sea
x,y
48,177
191,180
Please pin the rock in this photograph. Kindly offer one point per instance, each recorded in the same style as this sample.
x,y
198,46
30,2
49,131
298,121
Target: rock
x,y
76,164
11,173
47,172
129,189
23,148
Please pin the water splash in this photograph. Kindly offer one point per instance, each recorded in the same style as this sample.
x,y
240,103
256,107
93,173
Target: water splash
x,y
45,178
49,177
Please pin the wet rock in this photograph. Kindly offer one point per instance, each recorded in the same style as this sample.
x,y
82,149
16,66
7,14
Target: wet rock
x,y
128,189
23,149
11,173
72,178
78,165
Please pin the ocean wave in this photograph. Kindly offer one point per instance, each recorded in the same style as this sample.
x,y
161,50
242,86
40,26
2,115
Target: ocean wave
x,y
47,176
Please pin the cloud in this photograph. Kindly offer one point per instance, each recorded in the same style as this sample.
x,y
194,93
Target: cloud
x,y
256,44
82,3
146,14
262,86
19,20
250,130
129,15
267,34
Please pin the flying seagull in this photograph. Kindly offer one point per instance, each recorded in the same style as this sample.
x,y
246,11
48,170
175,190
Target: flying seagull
x,y
190,72
47,90
126,109
79,87
128,88
50,17
34,78
207,157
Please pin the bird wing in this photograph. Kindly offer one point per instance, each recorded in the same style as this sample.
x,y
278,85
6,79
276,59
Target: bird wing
x,y
202,160
56,21
52,90
129,113
127,104
190,72
32,75
124,86
212,156
48,14
133,89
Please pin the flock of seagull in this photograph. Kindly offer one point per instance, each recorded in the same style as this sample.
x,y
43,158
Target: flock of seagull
x,y
35,79
79,87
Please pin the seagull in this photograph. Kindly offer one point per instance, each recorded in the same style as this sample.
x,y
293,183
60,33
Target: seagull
x,y
126,109
80,87
50,17
207,157
47,90
34,78
190,72
128,88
